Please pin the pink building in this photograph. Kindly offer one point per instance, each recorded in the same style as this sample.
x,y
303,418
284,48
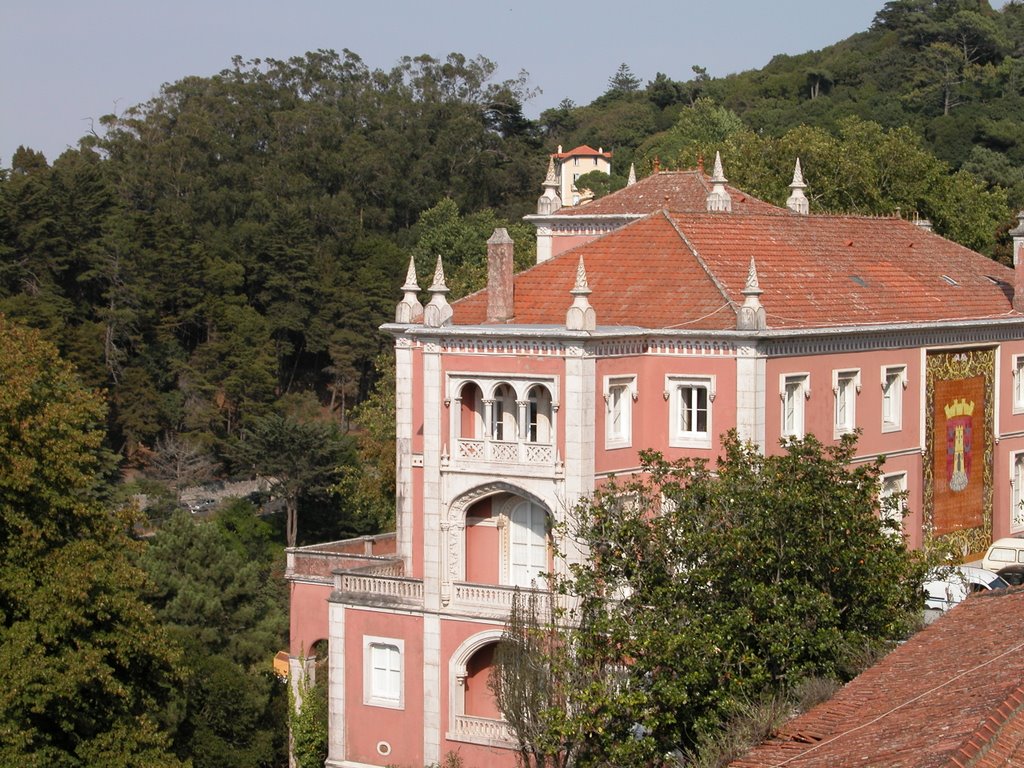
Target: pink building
x,y
680,309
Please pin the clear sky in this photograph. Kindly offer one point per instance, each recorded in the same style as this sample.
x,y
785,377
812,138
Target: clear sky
x,y
65,63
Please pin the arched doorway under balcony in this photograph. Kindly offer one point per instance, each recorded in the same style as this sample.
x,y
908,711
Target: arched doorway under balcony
x,y
473,715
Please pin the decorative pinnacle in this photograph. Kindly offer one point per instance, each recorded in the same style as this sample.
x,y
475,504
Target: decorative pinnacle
x,y
632,175
798,177
718,176
550,179
410,278
439,285
752,288
1018,231
581,288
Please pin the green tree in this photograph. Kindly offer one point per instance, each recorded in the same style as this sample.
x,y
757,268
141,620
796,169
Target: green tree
x,y
299,458
709,586
85,669
213,592
623,81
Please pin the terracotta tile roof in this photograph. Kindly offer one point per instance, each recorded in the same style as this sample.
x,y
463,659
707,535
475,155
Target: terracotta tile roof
x,y
675,191
681,271
952,695
581,151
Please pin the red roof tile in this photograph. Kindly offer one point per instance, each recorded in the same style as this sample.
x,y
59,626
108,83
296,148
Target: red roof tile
x,y
581,151
675,191
951,695
682,270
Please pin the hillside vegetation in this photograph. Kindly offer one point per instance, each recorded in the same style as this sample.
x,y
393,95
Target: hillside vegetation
x,y
224,253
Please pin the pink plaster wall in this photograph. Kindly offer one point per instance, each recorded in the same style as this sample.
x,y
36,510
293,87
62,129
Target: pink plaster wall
x,y
367,725
307,616
819,410
651,412
562,243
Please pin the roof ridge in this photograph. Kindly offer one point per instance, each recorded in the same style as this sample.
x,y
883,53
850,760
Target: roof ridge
x,y
981,740
700,260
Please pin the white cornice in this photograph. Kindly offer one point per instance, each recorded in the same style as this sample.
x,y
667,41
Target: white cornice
x,y
610,341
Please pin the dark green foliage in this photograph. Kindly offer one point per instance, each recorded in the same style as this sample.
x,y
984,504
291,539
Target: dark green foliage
x,y
217,590
704,590
600,183
85,669
302,458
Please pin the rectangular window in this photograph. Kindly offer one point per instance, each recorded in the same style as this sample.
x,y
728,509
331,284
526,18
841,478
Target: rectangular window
x,y
893,380
1018,383
618,397
382,672
845,385
690,411
793,393
892,501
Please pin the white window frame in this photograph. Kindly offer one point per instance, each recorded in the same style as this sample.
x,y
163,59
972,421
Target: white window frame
x,y
529,578
894,381
371,695
693,438
900,479
802,391
621,392
1016,492
1018,383
845,387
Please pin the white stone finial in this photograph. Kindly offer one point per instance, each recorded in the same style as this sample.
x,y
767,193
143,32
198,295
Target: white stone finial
x,y
632,175
752,286
439,285
580,316
718,175
751,316
549,201
797,201
718,198
438,311
581,287
551,179
409,309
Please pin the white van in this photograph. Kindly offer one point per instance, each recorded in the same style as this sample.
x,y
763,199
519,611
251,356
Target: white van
x,y
1003,552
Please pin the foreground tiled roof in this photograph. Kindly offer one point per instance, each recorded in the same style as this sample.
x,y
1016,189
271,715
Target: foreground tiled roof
x,y
688,270
952,695
670,190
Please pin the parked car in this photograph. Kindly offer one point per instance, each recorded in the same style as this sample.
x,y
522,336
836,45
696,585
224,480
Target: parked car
x,y
1003,552
1012,574
947,586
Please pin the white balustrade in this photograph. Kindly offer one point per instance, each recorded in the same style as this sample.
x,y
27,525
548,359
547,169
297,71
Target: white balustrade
x,y
504,452
392,588
481,729
493,601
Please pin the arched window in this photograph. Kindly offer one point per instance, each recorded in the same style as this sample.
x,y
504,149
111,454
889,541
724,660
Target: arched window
x,y
503,414
539,415
479,701
528,545
471,413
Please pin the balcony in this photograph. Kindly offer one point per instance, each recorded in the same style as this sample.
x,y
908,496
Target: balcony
x,y
481,730
492,601
472,453
372,586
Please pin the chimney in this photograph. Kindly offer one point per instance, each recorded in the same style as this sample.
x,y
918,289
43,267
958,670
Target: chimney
x,y
1017,233
500,307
